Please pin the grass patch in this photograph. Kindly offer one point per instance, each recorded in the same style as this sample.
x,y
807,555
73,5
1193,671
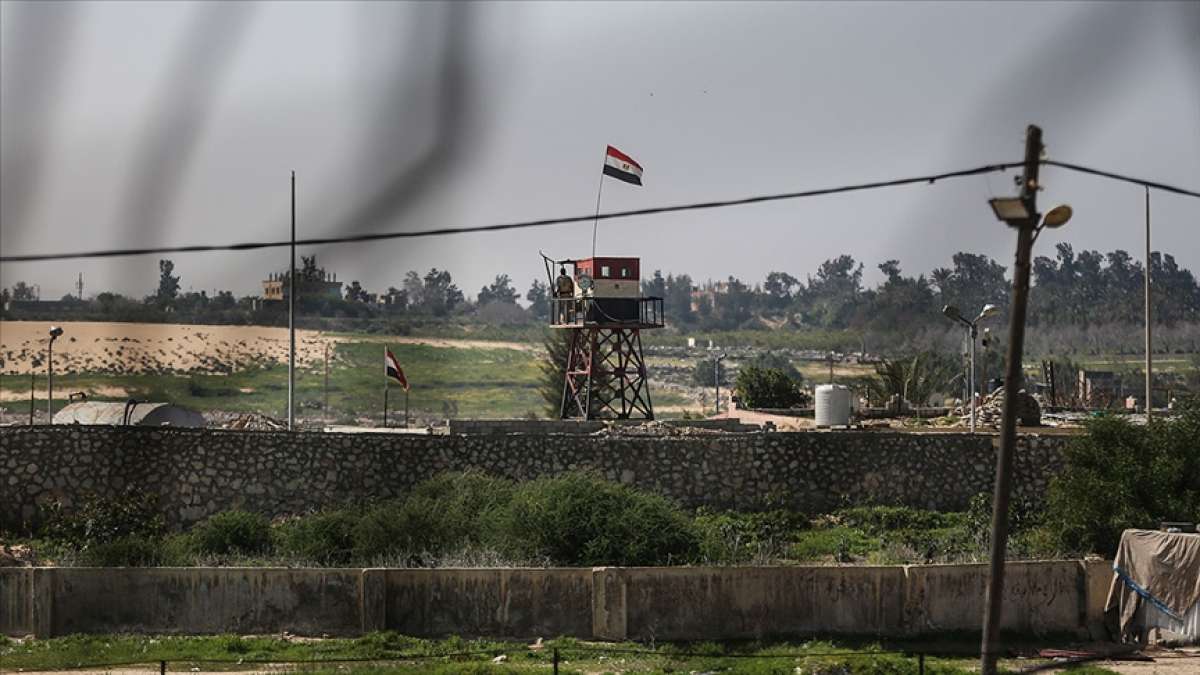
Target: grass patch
x,y
388,652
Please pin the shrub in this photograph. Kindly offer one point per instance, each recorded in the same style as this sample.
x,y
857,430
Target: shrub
x,y
103,520
442,514
767,388
124,551
580,519
325,537
232,532
1119,476
730,537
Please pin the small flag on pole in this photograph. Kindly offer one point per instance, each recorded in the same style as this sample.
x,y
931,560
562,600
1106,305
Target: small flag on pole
x,y
622,167
391,368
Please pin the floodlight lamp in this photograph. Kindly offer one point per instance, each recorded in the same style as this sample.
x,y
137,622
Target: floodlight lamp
x,y
952,312
1009,209
988,310
55,331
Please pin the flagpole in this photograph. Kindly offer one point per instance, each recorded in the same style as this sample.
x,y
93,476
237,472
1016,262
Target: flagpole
x,y
599,192
406,407
291,388
385,386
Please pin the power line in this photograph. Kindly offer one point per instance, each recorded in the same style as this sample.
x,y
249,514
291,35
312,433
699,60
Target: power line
x,y
248,246
1117,176
499,227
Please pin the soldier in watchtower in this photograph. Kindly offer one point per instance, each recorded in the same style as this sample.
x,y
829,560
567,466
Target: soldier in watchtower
x,y
564,290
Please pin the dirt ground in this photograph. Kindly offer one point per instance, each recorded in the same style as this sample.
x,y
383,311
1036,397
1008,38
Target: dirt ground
x,y
129,348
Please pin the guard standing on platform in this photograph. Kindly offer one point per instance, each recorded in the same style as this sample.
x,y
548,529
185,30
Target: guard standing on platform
x,y
564,290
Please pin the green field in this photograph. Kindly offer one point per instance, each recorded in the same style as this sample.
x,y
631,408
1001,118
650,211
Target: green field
x,y
445,382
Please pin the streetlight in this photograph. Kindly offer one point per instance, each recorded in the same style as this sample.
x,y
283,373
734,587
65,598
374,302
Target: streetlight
x,y
972,330
1022,214
55,331
717,381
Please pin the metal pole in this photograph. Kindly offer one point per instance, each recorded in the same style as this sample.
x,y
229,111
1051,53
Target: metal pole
x,y
717,383
325,388
406,408
990,646
1149,358
291,402
556,661
385,403
599,192
32,384
973,389
50,382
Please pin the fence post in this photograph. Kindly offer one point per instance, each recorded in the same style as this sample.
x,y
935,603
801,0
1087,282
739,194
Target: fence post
x,y
921,664
556,661
162,668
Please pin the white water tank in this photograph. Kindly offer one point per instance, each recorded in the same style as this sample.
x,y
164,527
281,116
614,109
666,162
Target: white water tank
x,y
833,405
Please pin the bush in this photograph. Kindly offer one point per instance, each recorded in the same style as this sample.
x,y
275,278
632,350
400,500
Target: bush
x,y
580,519
730,537
1121,476
232,532
125,551
325,537
767,388
442,514
96,520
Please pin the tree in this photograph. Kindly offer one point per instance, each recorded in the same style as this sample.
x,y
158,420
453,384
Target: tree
x,y
22,291
913,378
356,293
677,301
770,360
168,284
557,345
439,295
779,289
703,375
539,300
831,298
974,281
767,388
500,290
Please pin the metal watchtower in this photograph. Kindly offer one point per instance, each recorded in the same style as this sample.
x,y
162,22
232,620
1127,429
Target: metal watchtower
x,y
600,301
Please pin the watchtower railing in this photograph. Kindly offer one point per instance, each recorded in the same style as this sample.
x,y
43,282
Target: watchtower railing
x,y
582,312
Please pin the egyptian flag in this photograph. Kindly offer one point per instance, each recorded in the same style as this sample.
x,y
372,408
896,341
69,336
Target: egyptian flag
x,y
391,368
622,167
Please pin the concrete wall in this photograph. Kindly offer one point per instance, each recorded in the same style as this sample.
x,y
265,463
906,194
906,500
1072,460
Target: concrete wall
x,y
682,603
200,472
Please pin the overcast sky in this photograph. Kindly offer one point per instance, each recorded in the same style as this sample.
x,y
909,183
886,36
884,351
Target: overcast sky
x,y
141,123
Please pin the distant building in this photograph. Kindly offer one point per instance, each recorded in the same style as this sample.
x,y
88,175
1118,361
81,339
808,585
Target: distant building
x,y
709,291
275,287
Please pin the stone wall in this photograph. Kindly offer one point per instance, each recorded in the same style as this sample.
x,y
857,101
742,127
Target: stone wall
x,y
201,472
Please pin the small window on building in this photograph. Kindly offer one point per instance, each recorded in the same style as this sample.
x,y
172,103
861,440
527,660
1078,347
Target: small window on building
x,y
605,271
624,272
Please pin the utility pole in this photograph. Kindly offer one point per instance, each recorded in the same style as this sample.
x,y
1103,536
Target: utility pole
x,y
1149,358
291,403
990,646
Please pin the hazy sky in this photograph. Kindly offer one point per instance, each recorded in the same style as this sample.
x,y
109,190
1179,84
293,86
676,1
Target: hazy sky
x,y
141,123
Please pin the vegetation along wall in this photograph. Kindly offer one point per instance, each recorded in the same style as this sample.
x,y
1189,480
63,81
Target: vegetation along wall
x,y
197,473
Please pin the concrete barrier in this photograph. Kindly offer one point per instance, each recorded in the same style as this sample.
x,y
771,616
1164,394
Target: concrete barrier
x,y
197,600
16,600
606,603
746,602
489,602
1039,597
